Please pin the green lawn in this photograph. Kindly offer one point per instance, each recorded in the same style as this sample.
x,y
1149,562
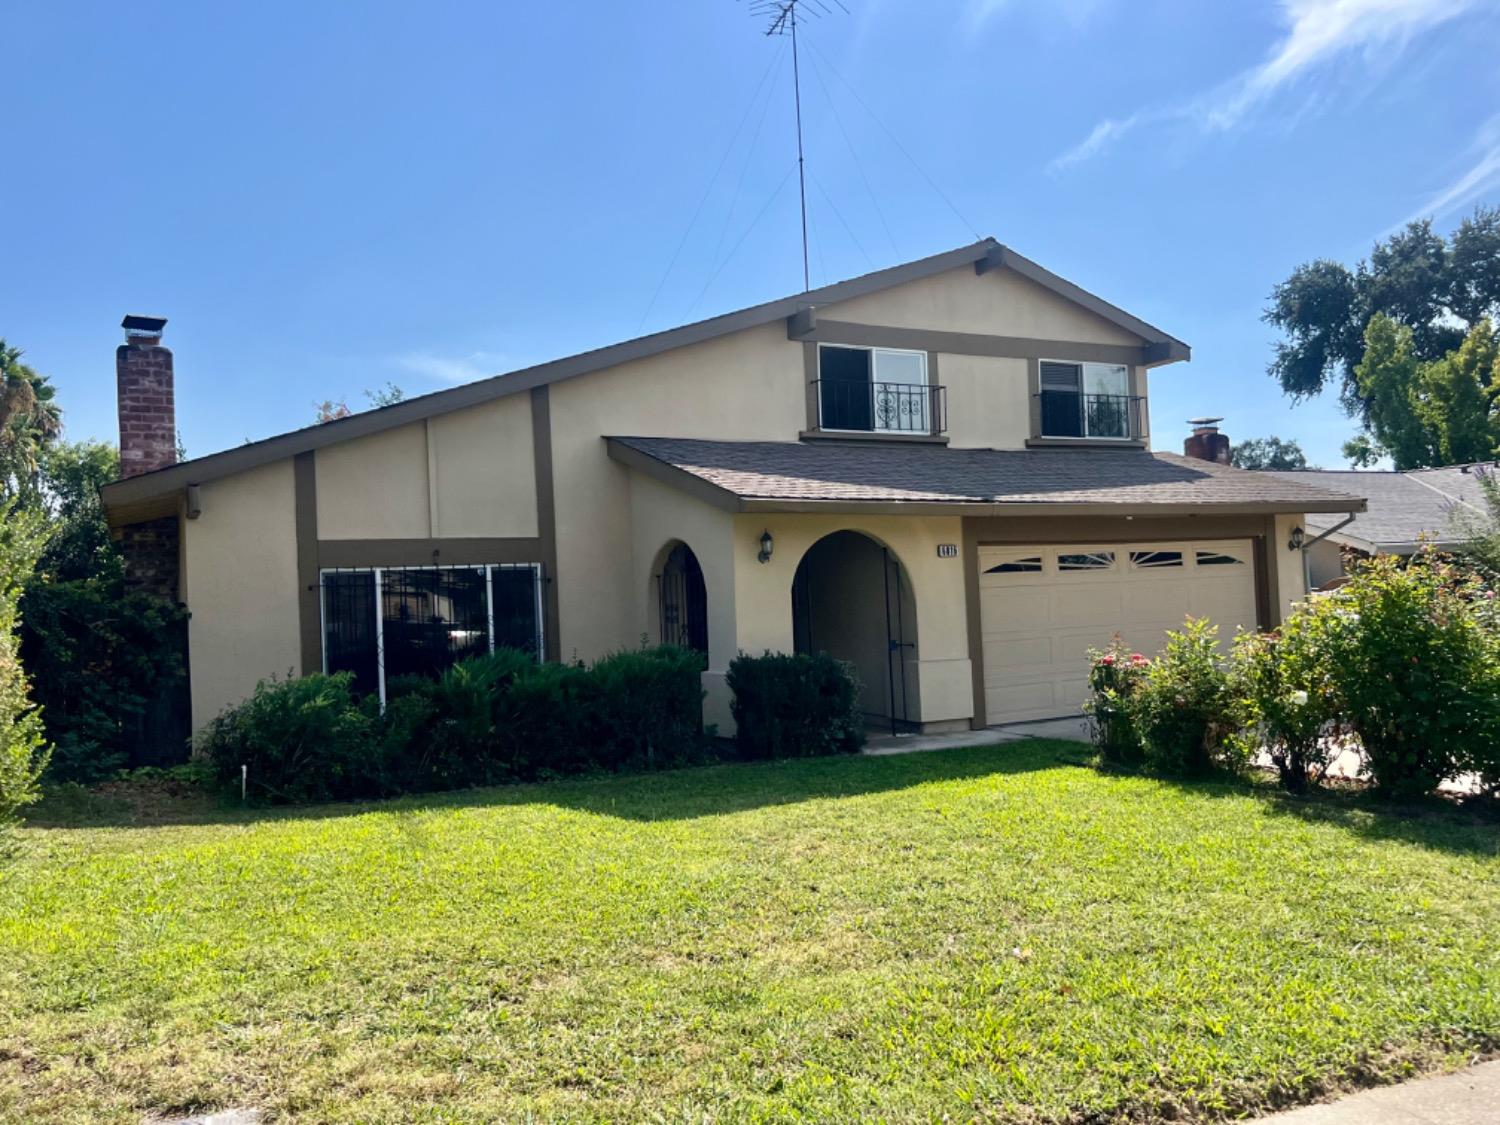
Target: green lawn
x,y
997,933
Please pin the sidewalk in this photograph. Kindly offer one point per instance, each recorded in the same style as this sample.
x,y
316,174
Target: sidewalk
x,y
1468,1097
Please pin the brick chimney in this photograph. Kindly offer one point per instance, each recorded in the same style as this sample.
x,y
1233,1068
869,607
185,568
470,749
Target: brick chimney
x,y
1205,442
143,380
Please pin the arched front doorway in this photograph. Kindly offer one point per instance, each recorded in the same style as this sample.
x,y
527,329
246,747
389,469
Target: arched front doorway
x,y
681,598
852,599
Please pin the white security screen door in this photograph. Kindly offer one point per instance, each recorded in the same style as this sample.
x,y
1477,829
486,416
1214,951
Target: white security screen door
x,y
901,392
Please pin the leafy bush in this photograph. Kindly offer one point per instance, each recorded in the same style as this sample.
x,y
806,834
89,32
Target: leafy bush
x,y
1181,709
1115,677
303,740
798,706
1411,670
1283,701
495,718
100,659
23,746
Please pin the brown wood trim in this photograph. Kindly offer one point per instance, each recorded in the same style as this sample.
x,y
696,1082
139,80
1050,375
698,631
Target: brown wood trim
x,y
971,343
309,593
546,514
1084,443
1262,585
872,436
810,376
335,553
1020,531
975,622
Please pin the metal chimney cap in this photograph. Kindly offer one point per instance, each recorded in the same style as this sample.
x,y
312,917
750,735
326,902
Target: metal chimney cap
x,y
1204,421
135,325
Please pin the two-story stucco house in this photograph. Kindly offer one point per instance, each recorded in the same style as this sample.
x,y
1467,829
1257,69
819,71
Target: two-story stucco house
x,y
940,472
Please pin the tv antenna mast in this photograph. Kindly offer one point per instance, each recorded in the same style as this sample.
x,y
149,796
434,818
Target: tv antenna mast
x,y
783,15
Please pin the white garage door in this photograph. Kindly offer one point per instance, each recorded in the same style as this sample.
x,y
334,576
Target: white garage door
x,y
1043,608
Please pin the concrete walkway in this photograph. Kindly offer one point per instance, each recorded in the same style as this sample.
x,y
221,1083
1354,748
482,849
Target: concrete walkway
x,y
1072,730
1469,1097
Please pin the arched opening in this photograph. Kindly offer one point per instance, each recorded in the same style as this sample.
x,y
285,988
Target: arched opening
x,y
852,599
681,598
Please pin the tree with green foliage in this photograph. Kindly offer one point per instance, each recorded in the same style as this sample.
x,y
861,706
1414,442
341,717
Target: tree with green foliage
x,y
1268,453
1455,395
23,746
1437,289
30,420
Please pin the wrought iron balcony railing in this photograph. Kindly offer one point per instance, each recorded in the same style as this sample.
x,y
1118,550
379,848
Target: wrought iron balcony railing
x,y
1069,414
881,408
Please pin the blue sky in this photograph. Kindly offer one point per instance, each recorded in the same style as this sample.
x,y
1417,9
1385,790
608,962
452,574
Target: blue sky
x,y
326,197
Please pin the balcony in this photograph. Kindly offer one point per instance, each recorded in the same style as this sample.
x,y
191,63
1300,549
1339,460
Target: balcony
x,y
892,409
1069,414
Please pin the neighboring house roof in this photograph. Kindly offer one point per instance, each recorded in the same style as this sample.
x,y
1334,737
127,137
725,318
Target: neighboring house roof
x,y
782,476
984,255
1405,508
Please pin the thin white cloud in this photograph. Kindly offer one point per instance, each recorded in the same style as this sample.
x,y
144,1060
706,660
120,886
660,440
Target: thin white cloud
x,y
462,369
1482,177
1318,33
1105,133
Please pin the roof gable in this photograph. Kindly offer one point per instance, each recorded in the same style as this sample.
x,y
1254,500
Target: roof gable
x,y
983,256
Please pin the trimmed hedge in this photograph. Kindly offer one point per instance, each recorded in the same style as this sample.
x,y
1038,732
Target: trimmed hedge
x,y
798,706
493,719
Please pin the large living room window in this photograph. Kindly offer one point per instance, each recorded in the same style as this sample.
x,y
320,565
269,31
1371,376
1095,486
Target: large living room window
x,y
874,390
1087,400
381,622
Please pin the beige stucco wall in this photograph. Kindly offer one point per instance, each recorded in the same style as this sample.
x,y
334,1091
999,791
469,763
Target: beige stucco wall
x,y
240,585
998,303
375,487
939,681
746,386
468,474
1291,583
1325,560
660,517
483,471
989,401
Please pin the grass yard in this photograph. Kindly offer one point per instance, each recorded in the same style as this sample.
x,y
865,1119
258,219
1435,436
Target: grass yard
x,y
996,933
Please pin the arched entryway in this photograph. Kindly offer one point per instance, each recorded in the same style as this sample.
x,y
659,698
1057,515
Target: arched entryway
x,y
680,599
852,599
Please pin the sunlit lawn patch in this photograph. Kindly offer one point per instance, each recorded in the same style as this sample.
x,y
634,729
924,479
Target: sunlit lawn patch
x,y
994,932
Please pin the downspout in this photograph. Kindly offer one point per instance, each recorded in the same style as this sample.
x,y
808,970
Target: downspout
x,y
1308,544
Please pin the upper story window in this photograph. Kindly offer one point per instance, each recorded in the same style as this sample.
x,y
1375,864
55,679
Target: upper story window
x,y
876,390
1088,400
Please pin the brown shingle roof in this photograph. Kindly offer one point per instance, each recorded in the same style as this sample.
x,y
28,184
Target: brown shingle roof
x,y
893,473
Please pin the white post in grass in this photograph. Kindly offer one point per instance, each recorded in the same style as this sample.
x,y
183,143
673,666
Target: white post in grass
x,y
244,781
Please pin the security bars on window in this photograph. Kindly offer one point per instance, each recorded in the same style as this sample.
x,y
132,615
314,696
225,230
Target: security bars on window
x,y
380,622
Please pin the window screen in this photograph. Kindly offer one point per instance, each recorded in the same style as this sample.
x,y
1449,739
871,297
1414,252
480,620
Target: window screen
x,y
428,618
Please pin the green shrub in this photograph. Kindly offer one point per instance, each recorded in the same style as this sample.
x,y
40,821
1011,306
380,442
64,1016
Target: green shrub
x,y
1181,709
302,740
798,706
23,745
1115,677
648,708
1282,699
100,659
1411,670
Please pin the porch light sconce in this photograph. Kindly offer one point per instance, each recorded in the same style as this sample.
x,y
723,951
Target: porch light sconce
x,y
767,545
1297,539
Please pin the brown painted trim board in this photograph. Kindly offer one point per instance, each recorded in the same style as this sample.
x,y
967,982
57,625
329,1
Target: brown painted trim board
x,y
334,554
309,592
546,514
974,621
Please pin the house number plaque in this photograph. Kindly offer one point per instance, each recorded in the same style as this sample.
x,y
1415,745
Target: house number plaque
x,y
947,550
